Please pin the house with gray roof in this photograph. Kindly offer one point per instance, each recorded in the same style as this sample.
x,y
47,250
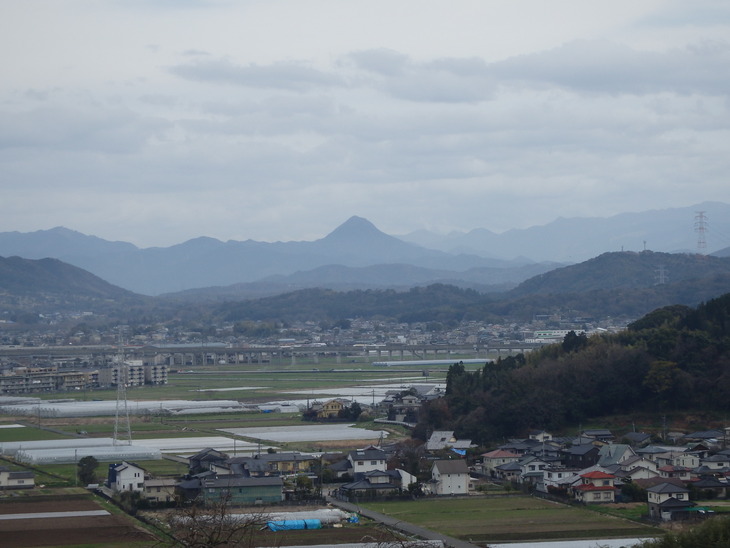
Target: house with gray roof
x,y
668,501
16,479
450,477
614,453
445,439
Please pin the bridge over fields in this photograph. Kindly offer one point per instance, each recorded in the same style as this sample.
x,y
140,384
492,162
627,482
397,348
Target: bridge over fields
x,y
187,355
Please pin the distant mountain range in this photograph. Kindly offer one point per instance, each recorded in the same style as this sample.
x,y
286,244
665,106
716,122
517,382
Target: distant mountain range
x,y
578,239
358,255
621,284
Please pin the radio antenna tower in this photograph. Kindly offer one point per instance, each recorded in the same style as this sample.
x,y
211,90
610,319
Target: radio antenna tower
x,y
122,408
701,229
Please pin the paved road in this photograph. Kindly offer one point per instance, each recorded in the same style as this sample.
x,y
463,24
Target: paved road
x,y
408,528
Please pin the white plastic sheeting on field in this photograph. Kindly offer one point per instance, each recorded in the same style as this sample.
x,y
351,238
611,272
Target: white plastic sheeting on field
x,y
190,445
71,408
320,432
324,515
71,450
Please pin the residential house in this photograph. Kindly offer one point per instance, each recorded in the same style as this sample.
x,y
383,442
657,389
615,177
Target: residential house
x,y
708,437
540,436
509,471
205,460
680,472
638,468
450,477
639,462
330,409
668,501
403,407
237,490
377,484
371,485
718,463
711,487
614,453
581,456
520,447
366,460
493,459
531,469
682,459
269,464
599,434
16,479
555,477
637,439
126,476
595,487
160,491
445,439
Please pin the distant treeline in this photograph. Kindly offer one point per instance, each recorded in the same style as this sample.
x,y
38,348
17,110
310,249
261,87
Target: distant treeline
x,y
675,358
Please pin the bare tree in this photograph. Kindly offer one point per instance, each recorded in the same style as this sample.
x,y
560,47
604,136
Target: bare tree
x,y
214,524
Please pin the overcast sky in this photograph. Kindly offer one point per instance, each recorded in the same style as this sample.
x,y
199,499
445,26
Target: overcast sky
x,y
157,121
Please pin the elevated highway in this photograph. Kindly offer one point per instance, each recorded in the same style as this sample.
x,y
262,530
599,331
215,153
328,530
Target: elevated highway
x,y
214,354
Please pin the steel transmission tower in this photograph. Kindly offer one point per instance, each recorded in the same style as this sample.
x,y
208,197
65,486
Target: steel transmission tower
x,y
701,229
122,409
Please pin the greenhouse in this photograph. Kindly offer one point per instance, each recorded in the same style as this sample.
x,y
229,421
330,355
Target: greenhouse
x,y
97,408
70,451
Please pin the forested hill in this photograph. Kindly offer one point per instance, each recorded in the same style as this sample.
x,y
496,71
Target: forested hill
x,y
620,284
28,286
675,359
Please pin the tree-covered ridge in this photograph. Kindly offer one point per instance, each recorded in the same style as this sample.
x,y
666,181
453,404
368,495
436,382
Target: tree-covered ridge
x,y
674,359
437,302
619,284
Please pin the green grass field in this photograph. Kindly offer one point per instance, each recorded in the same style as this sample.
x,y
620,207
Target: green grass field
x,y
513,518
27,434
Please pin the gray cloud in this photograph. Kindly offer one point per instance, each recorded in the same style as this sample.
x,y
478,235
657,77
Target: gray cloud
x,y
284,75
224,143
445,80
63,128
606,67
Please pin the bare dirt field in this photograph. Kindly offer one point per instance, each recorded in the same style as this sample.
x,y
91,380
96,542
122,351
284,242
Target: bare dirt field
x,y
66,531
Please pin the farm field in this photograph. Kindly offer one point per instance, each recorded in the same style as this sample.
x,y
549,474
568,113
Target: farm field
x,y
508,519
249,384
261,382
113,528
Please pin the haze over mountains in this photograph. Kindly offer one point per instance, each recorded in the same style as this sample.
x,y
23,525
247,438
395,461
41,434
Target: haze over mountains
x,y
357,254
578,239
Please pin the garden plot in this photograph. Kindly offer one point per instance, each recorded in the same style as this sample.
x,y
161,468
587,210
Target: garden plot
x,y
319,432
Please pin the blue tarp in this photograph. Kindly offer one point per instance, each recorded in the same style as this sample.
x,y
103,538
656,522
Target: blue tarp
x,y
294,524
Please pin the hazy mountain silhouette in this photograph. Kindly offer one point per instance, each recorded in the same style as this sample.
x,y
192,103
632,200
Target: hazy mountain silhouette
x,y
578,239
207,262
